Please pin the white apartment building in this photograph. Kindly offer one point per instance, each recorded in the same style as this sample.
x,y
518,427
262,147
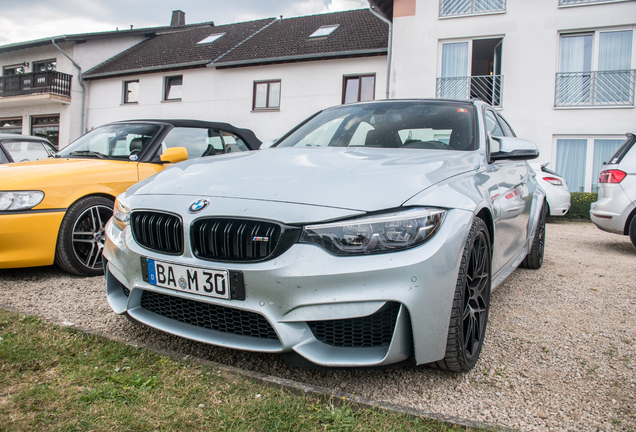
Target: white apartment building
x,y
561,71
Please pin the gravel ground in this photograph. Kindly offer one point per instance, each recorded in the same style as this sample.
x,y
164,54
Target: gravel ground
x,y
559,350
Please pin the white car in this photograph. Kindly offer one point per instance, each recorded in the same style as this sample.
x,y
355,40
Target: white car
x,y
615,209
555,187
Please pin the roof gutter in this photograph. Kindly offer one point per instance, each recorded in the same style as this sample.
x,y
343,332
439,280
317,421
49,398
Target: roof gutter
x,y
81,83
300,57
389,49
90,75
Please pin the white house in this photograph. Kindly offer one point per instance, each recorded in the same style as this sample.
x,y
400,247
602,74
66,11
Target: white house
x,y
40,92
561,71
266,75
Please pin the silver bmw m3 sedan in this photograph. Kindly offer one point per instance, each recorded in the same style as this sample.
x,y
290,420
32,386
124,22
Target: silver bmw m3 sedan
x,y
370,234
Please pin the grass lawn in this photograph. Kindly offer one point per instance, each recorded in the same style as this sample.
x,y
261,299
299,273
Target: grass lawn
x,y
59,379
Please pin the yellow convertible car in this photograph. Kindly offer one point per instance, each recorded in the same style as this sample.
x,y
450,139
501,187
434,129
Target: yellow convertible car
x,y
54,210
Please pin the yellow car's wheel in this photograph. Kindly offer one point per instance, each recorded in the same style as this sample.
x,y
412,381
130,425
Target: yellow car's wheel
x,y
81,238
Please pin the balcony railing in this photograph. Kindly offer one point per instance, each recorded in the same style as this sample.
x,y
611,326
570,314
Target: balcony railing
x,y
34,83
488,88
470,7
603,88
579,2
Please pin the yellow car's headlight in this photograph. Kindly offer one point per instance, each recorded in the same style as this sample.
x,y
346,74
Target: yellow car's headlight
x,y
121,213
20,200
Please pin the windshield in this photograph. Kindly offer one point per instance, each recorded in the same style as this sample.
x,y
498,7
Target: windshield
x,y
403,124
119,141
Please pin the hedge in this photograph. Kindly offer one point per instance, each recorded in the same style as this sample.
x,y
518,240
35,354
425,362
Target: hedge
x,y
580,205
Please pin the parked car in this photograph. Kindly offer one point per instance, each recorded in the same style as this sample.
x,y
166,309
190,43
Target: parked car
x,y
24,148
556,189
55,210
370,234
615,209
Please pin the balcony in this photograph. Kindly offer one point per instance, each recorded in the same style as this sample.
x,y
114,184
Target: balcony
x,y
451,8
488,88
581,2
595,89
34,88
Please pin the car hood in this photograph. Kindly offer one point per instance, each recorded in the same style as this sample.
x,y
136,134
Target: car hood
x,y
348,178
47,173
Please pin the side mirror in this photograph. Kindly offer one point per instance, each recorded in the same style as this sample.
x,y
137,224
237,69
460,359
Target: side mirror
x,y
268,143
514,149
174,155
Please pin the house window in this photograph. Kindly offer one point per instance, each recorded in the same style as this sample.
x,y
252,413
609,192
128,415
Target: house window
x,y
210,38
324,31
470,7
11,125
584,2
471,69
45,65
131,91
173,85
47,127
266,95
580,160
359,88
13,70
596,69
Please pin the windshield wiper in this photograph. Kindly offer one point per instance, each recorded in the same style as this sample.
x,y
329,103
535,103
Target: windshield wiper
x,y
87,153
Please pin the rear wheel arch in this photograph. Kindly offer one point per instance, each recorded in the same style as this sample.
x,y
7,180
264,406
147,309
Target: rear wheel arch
x,y
631,216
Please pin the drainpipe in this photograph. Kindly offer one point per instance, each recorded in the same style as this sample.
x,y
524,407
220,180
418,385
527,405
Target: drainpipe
x,y
81,83
390,49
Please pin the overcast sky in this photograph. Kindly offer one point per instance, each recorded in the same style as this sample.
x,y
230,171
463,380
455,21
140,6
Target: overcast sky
x,y
35,19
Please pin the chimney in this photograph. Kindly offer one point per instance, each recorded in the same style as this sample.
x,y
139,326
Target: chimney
x,y
178,19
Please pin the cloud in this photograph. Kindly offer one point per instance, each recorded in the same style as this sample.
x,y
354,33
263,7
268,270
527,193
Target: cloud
x,y
37,19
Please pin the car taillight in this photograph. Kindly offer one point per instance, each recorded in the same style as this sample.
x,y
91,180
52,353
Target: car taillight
x,y
553,180
611,176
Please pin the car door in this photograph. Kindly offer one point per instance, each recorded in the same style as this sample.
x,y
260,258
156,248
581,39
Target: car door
x,y
513,201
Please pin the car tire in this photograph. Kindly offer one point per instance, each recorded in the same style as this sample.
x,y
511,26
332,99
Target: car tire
x,y
632,230
80,240
534,259
471,302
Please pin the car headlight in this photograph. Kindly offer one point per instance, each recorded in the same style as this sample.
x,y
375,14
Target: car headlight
x,y
376,234
20,200
121,213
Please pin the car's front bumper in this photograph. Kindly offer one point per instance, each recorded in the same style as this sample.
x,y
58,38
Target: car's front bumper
x,y
348,295
611,210
28,238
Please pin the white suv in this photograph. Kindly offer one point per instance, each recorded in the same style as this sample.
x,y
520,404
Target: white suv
x,y
615,209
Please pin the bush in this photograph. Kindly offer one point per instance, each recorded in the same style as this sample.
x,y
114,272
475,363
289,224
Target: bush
x,y
580,205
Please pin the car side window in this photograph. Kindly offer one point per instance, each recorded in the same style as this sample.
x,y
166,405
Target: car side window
x,y
3,157
22,151
492,125
201,142
505,126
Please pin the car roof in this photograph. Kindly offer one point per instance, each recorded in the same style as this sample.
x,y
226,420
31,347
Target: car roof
x,y
18,137
246,134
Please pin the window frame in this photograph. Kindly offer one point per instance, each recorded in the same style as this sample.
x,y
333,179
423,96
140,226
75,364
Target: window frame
x,y
31,125
345,78
596,40
46,62
126,92
14,67
167,86
3,129
589,154
269,83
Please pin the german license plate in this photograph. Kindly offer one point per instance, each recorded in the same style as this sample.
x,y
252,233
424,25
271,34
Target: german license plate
x,y
195,280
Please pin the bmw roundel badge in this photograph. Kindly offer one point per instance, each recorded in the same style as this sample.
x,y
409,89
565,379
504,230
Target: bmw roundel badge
x,y
199,205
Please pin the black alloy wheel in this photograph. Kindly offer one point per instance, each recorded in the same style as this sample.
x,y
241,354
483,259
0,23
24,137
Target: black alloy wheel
x,y
471,302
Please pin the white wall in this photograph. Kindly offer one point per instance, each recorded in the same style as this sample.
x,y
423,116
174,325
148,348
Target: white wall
x,y
530,60
226,94
87,55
